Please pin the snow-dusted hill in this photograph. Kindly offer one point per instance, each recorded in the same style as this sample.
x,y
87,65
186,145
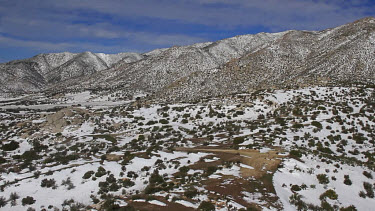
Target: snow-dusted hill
x,y
182,73
243,63
40,71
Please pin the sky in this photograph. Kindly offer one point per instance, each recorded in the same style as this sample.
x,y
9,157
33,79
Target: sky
x,y
30,27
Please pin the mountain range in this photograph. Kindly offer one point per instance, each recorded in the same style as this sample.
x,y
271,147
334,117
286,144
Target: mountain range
x,y
341,55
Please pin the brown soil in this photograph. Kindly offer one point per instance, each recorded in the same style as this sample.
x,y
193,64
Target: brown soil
x,y
261,162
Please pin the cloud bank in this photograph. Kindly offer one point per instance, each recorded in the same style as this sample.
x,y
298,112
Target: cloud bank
x,y
113,26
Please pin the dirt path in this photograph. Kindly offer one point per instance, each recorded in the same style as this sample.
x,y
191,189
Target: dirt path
x,y
260,162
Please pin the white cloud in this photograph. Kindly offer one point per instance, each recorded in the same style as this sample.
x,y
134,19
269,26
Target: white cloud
x,y
152,39
5,41
72,25
301,14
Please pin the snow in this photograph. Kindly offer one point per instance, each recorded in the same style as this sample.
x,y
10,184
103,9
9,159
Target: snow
x,y
187,204
347,195
156,202
246,166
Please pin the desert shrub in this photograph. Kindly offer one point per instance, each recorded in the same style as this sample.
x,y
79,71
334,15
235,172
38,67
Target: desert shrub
x,y
151,122
13,197
155,178
295,188
100,172
326,206
297,126
30,155
362,194
369,189
317,124
238,140
72,205
206,206
210,170
367,174
261,116
88,174
127,183
184,169
28,200
359,138
190,193
331,194
48,183
2,160
280,121
3,201
164,121
68,182
296,200
184,121
350,208
347,180
323,178
295,153
13,145
297,112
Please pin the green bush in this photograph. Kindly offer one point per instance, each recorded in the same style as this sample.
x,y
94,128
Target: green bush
x,y
206,206
30,155
297,126
295,188
164,121
13,145
367,174
331,194
295,153
184,169
101,172
238,140
350,208
369,189
184,121
210,170
2,160
28,200
323,178
347,180
3,201
190,193
48,183
317,124
88,174
280,121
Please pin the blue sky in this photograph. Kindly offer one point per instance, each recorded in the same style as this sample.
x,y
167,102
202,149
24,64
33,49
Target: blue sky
x,y
30,27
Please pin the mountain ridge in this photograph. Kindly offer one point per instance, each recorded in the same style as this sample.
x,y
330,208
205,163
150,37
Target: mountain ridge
x,y
237,64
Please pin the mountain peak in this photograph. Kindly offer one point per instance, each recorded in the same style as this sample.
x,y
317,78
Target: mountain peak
x,y
369,19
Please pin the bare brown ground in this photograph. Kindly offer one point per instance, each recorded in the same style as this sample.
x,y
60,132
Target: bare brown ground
x,y
258,179
261,162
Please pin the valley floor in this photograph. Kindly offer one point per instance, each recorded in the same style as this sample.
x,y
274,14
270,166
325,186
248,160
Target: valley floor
x,y
304,149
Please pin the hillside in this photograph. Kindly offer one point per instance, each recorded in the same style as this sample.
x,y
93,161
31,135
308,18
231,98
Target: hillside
x,y
341,55
37,73
297,149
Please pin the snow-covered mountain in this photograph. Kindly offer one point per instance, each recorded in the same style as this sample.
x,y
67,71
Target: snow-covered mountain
x,y
40,71
292,58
